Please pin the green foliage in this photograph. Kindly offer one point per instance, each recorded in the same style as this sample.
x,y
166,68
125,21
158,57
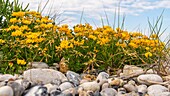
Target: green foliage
x,y
6,10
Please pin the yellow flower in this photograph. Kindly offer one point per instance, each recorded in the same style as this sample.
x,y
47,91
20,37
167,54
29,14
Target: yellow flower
x,y
133,45
148,54
16,33
18,14
121,44
13,27
13,20
49,26
147,48
92,37
26,22
65,44
21,62
38,21
29,41
2,41
103,41
24,27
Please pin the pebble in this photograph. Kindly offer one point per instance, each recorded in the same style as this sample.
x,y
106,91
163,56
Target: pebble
x,y
92,86
142,89
155,90
148,78
55,83
6,91
43,76
130,87
66,85
103,76
37,91
73,77
108,92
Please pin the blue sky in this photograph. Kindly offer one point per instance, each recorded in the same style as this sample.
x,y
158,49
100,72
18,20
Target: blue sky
x,y
136,12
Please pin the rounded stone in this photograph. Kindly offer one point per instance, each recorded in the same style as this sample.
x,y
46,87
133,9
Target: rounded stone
x,y
154,90
90,86
6,91
147,78
66,85
102,76
108,92
130,87
142,89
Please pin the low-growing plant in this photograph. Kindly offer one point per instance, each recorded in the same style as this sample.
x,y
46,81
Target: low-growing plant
x,y
30,37
33,37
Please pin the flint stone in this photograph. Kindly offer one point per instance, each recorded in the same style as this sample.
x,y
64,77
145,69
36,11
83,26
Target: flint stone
x,y
6,91
37,91
73,77
108,92
90,86
43,76
156,90
149,77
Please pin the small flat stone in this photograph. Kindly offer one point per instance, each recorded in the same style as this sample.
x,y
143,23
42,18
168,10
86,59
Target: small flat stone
x,y
147,78
90,86
43,76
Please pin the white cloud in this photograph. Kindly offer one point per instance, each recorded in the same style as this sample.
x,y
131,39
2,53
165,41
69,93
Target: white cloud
x,y
72,9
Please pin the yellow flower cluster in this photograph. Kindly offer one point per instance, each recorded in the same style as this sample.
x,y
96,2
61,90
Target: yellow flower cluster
x,y
21,62
30,27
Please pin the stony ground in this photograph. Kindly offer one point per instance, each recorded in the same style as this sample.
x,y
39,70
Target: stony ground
x,y
42,81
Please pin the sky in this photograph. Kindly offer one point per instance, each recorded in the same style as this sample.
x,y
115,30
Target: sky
x,y
137,13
